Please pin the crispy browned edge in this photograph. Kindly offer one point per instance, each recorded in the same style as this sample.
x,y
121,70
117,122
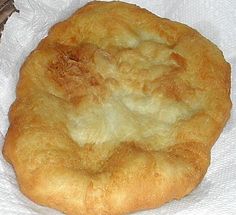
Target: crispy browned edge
x,y
145,185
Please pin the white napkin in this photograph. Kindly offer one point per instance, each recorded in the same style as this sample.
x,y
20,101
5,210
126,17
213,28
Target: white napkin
x,y
216,19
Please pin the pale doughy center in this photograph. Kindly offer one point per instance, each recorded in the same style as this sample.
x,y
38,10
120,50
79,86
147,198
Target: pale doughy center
x,y
130,112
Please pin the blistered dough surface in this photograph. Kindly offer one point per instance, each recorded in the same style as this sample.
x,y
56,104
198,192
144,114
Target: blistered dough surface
x,y
116,111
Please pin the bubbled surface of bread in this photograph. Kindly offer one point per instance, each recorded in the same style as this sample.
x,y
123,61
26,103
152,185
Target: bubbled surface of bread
x,y
116,111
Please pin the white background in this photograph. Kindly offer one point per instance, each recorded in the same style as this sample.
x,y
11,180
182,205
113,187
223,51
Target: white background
x,y
216,19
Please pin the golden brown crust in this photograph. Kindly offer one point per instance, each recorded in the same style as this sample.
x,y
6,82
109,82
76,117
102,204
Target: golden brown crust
x,y
116,111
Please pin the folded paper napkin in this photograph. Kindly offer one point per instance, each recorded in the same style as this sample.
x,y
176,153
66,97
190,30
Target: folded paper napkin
x,y
216,19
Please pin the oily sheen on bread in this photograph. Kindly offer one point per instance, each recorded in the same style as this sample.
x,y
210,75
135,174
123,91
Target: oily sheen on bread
x,y
116,111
